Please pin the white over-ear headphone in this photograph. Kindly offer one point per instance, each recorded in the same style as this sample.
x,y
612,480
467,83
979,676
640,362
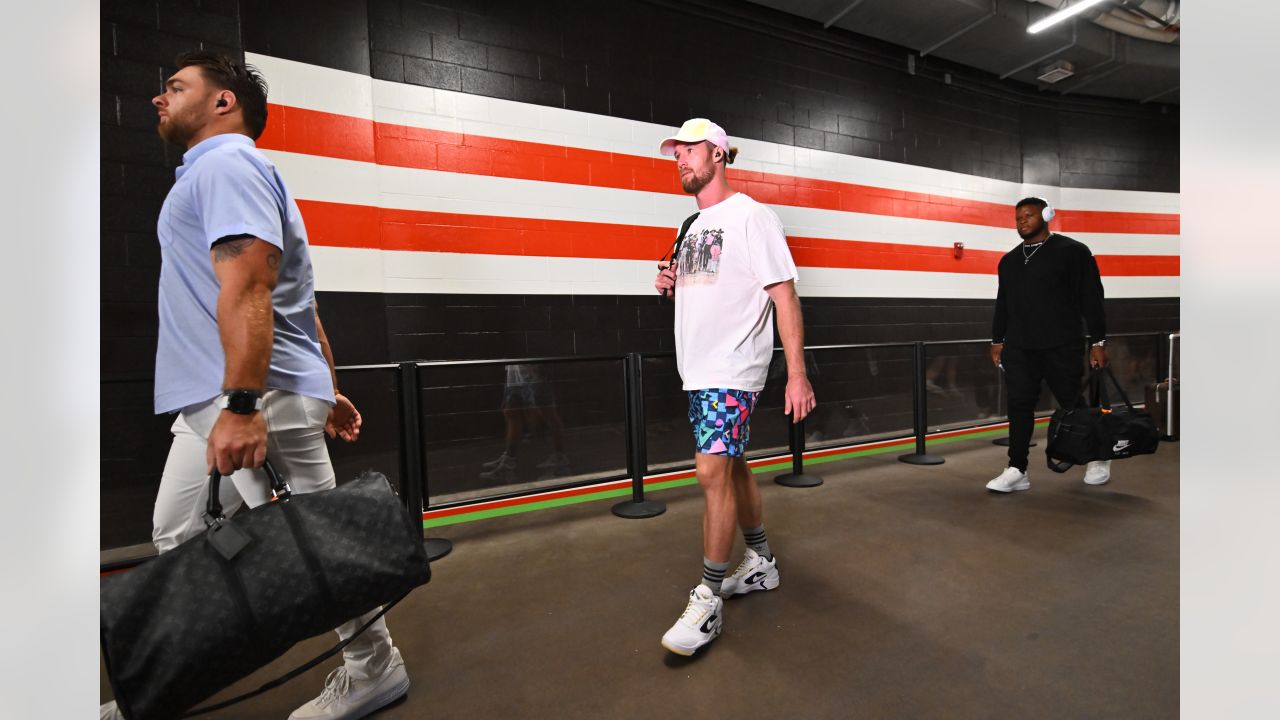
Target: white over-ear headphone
x,y
1047,212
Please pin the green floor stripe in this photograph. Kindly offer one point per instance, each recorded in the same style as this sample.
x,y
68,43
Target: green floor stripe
x,y
782,464
516,509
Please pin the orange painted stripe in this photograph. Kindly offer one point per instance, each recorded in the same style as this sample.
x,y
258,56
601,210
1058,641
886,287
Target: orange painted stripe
x,y
1069,221
358,226
312,132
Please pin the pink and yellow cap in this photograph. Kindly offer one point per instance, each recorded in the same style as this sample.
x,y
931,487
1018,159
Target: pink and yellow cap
x,y
696,130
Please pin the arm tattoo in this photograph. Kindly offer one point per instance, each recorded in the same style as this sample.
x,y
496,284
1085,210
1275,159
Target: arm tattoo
x,y
228,249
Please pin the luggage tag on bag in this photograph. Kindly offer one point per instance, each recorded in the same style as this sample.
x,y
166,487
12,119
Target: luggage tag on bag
x,y
226,538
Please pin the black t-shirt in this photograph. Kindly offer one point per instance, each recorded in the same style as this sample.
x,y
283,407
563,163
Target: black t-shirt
x,y
1049,300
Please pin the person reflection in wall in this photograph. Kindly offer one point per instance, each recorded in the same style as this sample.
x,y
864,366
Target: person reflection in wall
x,y
526,399
1050,291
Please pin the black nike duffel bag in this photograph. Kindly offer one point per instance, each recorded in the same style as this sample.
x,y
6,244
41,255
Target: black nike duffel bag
x,y
1082,435
216,608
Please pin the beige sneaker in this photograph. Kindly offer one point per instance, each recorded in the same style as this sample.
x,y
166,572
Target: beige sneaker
x,y
345,698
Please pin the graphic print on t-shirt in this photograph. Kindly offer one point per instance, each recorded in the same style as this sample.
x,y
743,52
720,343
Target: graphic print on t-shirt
x,y
699,261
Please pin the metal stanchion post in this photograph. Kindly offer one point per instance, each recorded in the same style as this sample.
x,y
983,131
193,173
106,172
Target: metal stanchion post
x,y
637,457
1170,426
797,476
920,413
413,478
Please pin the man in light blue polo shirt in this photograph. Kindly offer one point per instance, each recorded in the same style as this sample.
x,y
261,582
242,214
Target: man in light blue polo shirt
x,y
239,356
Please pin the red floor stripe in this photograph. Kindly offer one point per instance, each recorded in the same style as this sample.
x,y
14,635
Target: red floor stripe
x,y
668,477
358,226
312,132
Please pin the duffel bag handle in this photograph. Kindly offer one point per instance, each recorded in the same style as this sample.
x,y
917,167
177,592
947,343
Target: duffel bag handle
x,y
278,485
1107,373
1116,383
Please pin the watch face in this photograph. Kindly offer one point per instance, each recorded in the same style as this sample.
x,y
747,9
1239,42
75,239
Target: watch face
x,y
242,402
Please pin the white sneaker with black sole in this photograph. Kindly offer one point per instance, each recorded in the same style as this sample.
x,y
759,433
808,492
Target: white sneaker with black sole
x,y
700,624
753,573
345,698
1097,472
1011,480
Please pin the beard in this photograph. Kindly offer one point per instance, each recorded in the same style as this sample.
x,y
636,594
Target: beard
x,y
179,129
694,182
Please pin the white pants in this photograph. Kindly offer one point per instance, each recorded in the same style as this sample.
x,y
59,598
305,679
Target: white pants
x,y
295,447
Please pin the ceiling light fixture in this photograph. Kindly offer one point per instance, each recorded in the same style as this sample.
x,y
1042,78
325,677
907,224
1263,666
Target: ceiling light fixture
x,y
1063,14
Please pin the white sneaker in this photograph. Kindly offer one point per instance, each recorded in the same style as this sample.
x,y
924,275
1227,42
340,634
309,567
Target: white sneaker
x,y
1010,480
345,698
503,459
753,573
1097,472
109,711
699,625
502,469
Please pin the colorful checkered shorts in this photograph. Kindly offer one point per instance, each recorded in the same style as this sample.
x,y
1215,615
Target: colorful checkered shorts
x,y
721,420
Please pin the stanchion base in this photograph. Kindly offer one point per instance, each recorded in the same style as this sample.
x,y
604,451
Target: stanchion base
x,y
1168,438
1004,442
633,510
437,548
801,481
918,459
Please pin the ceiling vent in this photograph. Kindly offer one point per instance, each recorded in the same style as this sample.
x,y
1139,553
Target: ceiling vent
x,y
1056,71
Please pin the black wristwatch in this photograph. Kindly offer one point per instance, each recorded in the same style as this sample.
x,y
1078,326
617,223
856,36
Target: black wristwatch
x,y
241,401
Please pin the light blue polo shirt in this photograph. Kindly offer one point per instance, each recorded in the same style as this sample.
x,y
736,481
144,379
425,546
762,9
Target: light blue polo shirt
x,y
225,187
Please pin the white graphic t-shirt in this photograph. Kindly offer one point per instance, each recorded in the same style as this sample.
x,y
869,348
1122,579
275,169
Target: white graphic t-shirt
x,y
724,317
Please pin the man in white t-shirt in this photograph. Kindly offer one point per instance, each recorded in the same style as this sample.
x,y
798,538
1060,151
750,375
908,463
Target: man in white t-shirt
x,y
730,273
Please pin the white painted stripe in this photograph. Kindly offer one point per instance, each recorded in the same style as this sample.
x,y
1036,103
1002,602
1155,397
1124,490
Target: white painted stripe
x,y
315,88
348,269
324,179
362,270
334,91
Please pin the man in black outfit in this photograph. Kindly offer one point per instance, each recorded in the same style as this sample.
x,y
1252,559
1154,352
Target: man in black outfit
x,y
1050,294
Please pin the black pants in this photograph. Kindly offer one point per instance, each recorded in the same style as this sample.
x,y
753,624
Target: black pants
x,y
1061,367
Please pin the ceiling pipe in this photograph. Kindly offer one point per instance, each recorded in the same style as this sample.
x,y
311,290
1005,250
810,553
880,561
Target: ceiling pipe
x,y
1119,20
1133,29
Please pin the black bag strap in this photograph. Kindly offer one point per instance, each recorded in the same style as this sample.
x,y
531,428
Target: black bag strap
x,y
1099,375
272,684
674,252
214,507
1119,389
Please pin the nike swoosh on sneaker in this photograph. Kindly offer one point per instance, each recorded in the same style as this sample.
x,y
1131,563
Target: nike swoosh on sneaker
x,y
754,577
706,626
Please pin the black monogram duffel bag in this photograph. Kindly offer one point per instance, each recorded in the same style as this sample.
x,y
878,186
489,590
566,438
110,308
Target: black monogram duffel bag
x,y
216,608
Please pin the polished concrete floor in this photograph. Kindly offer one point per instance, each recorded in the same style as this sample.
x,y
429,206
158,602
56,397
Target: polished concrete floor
x,y
907,592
